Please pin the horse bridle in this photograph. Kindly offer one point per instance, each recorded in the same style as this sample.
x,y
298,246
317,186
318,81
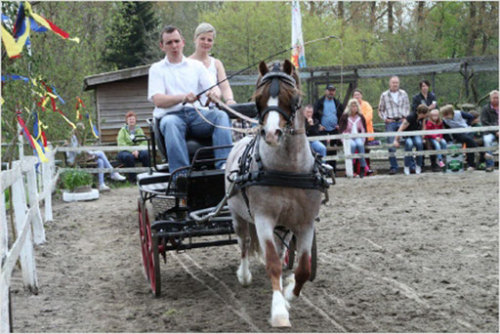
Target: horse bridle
x,y
275,76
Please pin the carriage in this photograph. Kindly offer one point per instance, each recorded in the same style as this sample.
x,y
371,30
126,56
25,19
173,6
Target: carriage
x,y
272,185
191,214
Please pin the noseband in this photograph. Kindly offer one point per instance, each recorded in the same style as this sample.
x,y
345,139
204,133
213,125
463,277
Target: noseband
x,y
275,76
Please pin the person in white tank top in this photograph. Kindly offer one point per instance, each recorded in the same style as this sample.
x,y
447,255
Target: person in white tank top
x,y
204,37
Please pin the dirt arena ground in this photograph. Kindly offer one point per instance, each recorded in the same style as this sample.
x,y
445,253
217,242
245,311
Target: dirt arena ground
x,y
397,253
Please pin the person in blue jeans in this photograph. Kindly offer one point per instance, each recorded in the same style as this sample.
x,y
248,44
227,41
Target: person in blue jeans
x,y
173,85
393,107
413,122
312,129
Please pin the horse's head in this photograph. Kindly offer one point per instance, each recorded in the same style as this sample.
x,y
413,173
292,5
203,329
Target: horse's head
x,y
277,98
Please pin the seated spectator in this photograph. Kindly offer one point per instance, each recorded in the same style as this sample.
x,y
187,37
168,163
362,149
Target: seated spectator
x,y
438,142
126,137
353,121
478,137
414,122
77,137
455,119
312,129
489,117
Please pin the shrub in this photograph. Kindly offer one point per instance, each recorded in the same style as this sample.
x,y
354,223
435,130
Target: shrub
x,y
75,178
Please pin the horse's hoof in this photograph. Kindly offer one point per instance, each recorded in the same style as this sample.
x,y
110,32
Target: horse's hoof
x,y
244,280
281,321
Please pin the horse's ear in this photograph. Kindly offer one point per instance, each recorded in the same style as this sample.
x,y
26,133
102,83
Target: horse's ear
x,y
288,67
263,68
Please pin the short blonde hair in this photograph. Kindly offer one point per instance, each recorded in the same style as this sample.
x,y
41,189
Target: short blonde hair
x,y
493,92
203,28
447,110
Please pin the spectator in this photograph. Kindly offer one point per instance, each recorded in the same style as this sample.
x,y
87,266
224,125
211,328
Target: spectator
x,y
126,137
328,111
414,122
353,121
77,137
173,85
437,140
312,129
478,137
393,108
425,96
367,111
456,119
489,117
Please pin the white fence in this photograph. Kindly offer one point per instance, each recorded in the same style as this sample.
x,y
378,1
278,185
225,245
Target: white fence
x,y
28,226
348,156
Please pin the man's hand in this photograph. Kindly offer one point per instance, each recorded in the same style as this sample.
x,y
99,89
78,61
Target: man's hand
x,y
396,142
214,92
136,154
310,121
321,128
189,98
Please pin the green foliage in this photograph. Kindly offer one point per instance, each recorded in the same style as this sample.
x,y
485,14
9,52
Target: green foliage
x,y
74,178
129,31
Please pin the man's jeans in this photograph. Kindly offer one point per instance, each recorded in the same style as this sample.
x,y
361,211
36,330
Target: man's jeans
x,y
392,127
175,125
439,145
410,142
488,140
319,148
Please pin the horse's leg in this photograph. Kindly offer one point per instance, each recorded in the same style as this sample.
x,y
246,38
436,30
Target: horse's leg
x,y
303,271
241,229
279,306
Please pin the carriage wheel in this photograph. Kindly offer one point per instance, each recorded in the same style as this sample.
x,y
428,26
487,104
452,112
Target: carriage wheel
x,y
154,274
142,235
290,253
153,264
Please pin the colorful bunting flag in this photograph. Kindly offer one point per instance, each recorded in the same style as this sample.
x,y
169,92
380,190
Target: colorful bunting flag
x,y
298,52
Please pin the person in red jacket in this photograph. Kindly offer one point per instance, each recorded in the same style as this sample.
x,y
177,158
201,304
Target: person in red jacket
x,y
438,142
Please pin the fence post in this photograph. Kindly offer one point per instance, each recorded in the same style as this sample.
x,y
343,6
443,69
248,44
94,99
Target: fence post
x,y
26,256
37,226
47,169
4,288
348,162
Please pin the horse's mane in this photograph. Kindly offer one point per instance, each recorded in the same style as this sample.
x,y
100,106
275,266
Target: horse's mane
x,y
286,96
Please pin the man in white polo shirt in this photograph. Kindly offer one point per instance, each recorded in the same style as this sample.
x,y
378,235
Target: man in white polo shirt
x,y
172,87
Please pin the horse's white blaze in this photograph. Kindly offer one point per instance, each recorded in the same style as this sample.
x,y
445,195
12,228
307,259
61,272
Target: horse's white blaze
x,y
279,311
243,273
272,122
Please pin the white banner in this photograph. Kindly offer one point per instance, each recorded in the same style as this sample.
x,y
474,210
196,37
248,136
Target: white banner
x,y
298,52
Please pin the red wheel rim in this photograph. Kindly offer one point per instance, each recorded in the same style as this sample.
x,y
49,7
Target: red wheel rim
x,y
143,238
150,248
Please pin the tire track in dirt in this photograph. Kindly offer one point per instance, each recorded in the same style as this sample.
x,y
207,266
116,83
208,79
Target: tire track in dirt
x,y
403,288
233,305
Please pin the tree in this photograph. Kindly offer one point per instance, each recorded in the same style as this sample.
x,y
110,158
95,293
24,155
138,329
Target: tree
x,y
131,28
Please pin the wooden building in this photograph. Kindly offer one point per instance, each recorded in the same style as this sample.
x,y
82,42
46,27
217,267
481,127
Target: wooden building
x,y
115,94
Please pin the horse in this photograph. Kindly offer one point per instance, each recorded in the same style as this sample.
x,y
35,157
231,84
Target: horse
x,y
281,150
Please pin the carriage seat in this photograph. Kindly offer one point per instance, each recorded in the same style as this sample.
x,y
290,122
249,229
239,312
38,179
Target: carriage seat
x,y
194,144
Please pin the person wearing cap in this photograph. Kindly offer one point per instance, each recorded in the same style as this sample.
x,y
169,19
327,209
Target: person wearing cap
x,y
393,108
173,85
328,111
